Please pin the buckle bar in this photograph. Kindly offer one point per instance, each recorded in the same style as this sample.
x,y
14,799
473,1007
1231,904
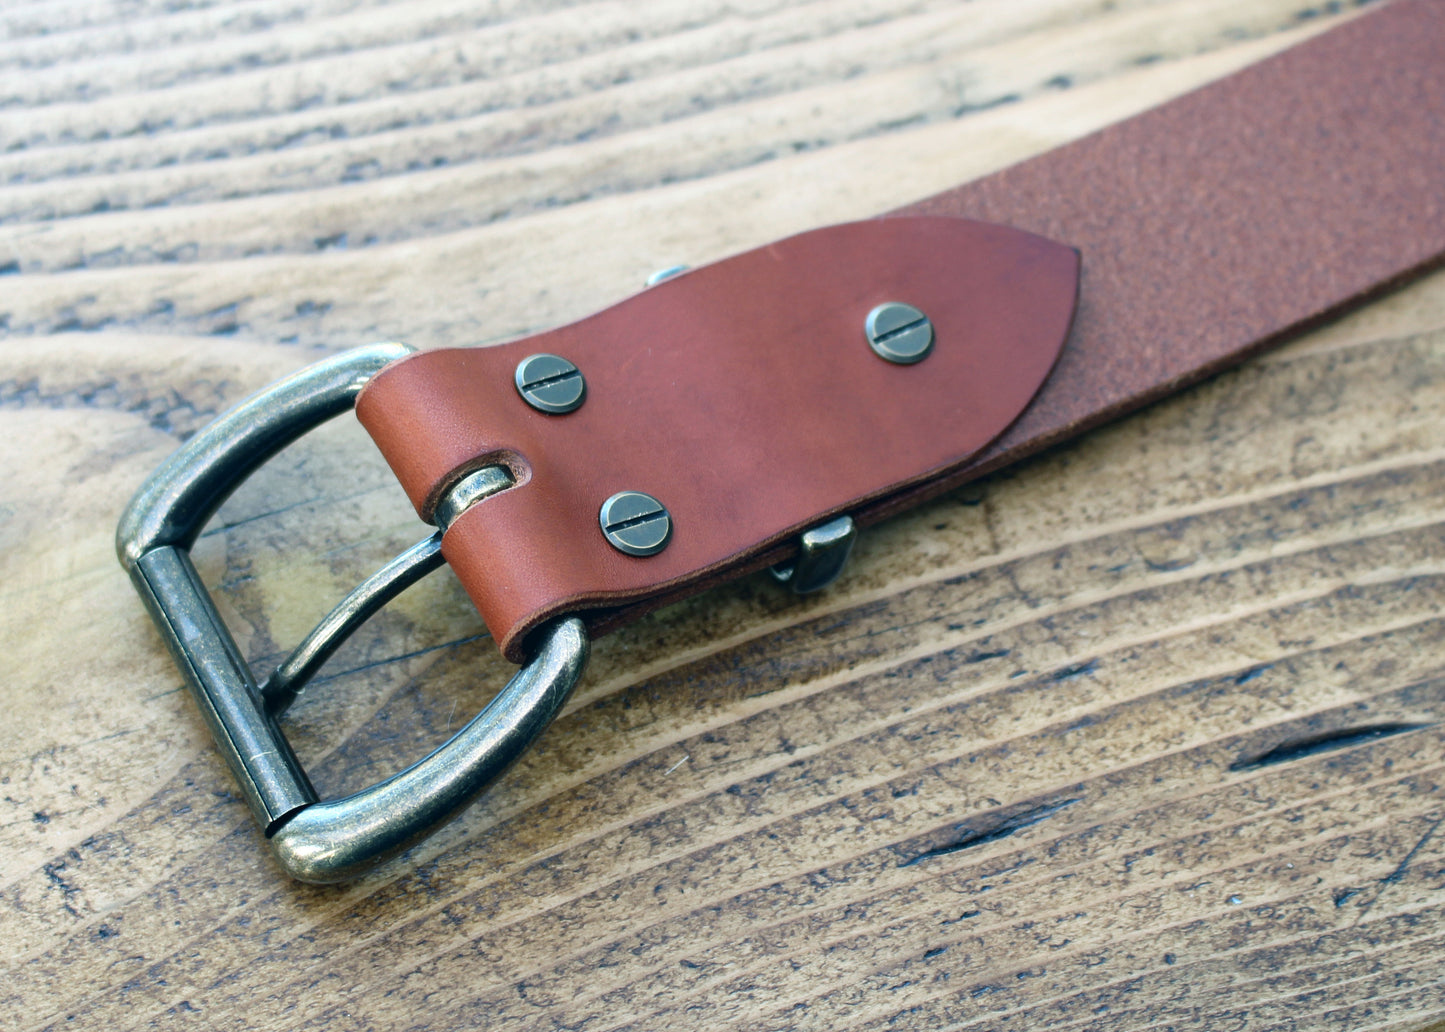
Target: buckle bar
x,y
338,839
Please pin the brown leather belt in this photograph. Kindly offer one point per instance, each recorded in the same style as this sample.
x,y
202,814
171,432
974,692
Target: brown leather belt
x,y
743,397
701,429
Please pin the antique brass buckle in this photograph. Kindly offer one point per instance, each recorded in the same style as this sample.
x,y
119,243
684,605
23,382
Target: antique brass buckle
x,y
336,839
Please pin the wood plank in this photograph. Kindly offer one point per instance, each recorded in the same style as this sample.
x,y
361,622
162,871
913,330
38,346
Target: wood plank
x,y
1143,733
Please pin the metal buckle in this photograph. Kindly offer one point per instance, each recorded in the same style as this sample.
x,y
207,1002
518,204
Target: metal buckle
x,y
337,839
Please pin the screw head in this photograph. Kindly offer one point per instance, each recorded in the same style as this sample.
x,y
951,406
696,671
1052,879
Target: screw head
x,y
899,333
635,523
550,383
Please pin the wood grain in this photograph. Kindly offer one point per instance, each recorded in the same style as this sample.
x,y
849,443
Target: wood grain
x,y
1145,733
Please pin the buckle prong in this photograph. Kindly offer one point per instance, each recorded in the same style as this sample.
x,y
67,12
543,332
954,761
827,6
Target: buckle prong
x,y
281,689
337,839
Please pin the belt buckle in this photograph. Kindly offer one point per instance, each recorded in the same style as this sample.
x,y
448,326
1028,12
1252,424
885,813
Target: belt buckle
x,y
316,840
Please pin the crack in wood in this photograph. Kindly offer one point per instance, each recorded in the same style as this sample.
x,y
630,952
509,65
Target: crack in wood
x,y
1342,738
1001,830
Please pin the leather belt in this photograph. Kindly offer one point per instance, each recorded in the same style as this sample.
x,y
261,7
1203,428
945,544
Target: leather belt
x,y
742,396
756,411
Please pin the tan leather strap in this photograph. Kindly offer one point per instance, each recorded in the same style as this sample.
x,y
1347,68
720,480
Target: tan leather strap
x,y
744,397
1234,217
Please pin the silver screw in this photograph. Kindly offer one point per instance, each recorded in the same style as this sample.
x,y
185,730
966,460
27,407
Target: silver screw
x,y
898,332
635,523
550,383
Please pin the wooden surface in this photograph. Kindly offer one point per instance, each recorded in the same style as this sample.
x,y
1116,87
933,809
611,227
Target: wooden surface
x,y
1143,734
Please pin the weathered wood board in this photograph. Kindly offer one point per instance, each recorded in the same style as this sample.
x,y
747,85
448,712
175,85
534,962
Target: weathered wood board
x,y
1145,733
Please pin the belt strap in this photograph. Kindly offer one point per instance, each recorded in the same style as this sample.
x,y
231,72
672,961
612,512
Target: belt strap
x,y
744,397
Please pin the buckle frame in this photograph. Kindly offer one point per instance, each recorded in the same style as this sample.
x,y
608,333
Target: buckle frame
x,y
313,840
